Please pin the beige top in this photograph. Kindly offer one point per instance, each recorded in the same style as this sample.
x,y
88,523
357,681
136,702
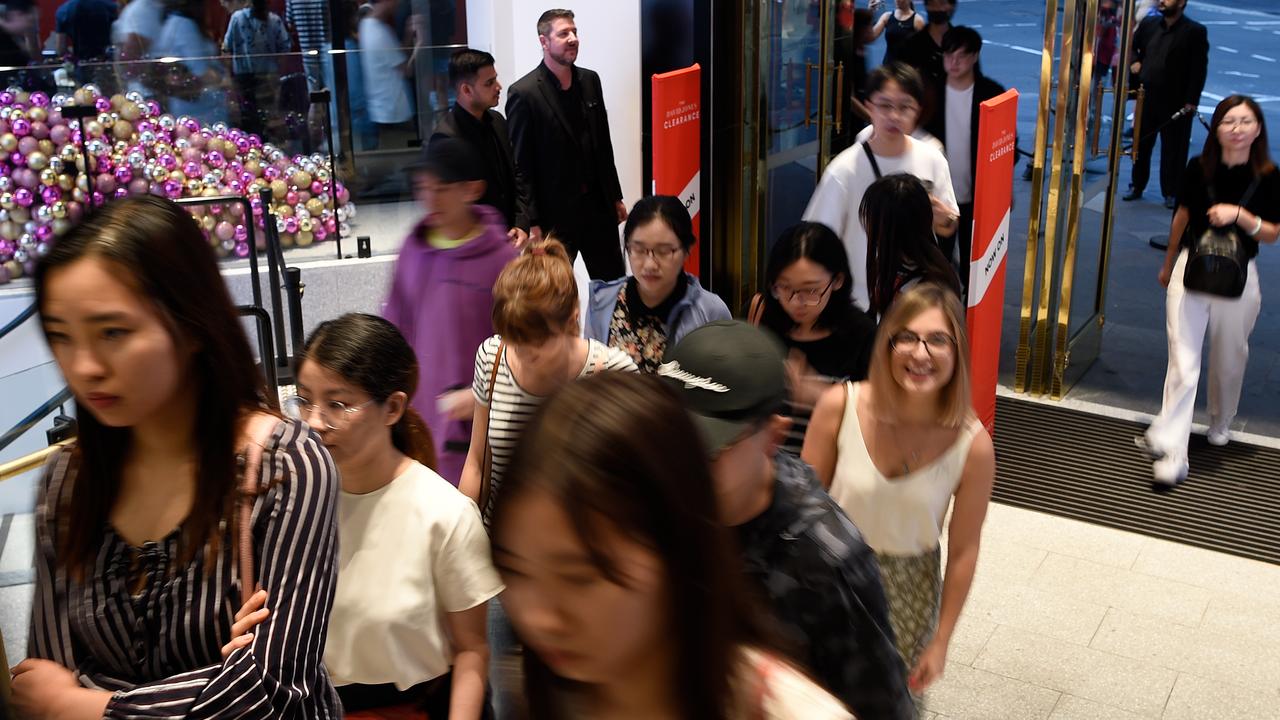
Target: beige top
x,y
901,515
409,552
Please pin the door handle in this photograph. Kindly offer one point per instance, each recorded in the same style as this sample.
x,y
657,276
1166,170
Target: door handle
x,y
808,74
839,95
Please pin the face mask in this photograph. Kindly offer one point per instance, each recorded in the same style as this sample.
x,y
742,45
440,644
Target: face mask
x,y
939,17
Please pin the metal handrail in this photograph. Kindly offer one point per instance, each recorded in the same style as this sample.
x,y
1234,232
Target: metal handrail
x,y
33,461
58,400
15,323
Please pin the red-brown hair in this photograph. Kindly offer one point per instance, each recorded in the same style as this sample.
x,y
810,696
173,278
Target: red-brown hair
x,y
535,297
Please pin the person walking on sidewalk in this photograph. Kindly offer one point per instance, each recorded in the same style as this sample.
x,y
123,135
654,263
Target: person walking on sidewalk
x,y
1234,186
1170,59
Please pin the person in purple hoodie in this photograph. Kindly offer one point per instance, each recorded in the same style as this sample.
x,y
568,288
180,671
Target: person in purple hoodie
x,y
441,295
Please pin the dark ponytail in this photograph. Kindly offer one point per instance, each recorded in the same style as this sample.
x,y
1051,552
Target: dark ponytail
x,y
370,353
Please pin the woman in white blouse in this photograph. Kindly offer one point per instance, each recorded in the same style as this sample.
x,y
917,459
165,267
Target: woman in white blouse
x,y
900,449
407,629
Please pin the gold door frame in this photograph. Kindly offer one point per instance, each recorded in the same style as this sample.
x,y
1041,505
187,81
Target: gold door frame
x,y
1049,359
738,254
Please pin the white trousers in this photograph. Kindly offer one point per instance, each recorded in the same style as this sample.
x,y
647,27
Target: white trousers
x,y
1229,321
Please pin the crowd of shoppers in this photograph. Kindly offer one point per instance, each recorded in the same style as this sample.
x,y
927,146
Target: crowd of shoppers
x,y
494,501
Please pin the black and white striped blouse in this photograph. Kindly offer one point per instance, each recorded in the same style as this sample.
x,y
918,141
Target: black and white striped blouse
x,y
512,406
159,650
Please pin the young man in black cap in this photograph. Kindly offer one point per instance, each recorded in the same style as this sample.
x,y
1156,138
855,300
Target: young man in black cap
x,y
802,552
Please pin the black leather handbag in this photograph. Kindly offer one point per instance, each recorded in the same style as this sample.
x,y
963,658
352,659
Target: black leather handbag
x,y
1219,263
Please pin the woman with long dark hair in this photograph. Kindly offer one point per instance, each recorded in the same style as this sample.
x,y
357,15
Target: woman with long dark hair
x,y
140,548
407,629
659,303
1233,187
621,581
901,248
809,306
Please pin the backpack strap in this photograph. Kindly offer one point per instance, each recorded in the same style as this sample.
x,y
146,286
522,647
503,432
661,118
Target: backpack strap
x,y
871,157
259,430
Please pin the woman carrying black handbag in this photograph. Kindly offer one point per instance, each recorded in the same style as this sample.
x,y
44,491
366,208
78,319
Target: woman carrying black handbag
x,y
1228,203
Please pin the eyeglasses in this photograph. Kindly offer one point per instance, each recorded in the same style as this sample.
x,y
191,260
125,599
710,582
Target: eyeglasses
x,y
784,294
335,415
889,108
1242,123
938,344
661,254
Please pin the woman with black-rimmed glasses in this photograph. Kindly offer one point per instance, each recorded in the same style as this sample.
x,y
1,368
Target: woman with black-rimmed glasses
x,y
899,450
659,303
809,306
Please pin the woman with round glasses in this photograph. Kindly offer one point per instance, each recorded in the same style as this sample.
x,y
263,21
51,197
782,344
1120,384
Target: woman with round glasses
x,y
407,629
1232,186
660,302
810,308
901,249
900,449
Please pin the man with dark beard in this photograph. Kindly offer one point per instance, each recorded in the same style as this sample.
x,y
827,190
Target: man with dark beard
x,y
560,132
1170,59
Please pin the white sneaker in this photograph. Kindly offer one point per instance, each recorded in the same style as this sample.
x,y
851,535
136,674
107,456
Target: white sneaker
x,y
1169,470
1219,435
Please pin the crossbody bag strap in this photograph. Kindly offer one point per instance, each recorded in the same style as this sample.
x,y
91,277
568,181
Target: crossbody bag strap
x,y
486,469
875,166
259,430
756,312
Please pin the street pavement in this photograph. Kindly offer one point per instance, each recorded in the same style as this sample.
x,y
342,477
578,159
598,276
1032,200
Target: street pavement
x,y
1244,57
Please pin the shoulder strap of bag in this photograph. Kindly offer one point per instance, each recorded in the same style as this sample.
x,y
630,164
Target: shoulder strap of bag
x,y
1248,194
875,166
259,431
486,468
756,312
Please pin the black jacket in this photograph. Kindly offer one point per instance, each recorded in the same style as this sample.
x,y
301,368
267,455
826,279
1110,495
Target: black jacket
x,y
506,188
548,151
1175,60
984,88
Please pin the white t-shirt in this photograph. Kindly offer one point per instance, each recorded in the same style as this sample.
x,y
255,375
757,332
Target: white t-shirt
x,y
959,108
838,196
385,87
776,691
408,553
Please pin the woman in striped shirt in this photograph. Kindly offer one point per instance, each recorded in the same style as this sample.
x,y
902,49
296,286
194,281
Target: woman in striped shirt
x,y
136,574
536,352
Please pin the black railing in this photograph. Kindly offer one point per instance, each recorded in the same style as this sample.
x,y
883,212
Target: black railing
x,y
48,407
15,323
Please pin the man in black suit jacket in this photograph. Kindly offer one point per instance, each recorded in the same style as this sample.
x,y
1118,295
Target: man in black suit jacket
x,y
560,131
1170,58
473,120
957,101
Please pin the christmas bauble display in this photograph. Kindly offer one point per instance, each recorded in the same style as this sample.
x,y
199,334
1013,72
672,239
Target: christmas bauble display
x,y
134,147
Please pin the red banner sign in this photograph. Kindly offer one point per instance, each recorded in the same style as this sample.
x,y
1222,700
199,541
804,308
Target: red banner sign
x,y
997,142
677,142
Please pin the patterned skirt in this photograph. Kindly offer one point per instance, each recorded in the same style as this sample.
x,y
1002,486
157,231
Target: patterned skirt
x,y
913,588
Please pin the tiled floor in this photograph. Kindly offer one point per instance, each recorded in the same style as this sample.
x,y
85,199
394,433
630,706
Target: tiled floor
x,y
1066,621
1071,621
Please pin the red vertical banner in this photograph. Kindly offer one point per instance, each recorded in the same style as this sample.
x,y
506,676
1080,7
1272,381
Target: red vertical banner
x,y
997,142
677,142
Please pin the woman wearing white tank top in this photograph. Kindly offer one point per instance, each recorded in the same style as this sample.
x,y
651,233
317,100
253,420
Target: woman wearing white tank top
x,y
894,451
